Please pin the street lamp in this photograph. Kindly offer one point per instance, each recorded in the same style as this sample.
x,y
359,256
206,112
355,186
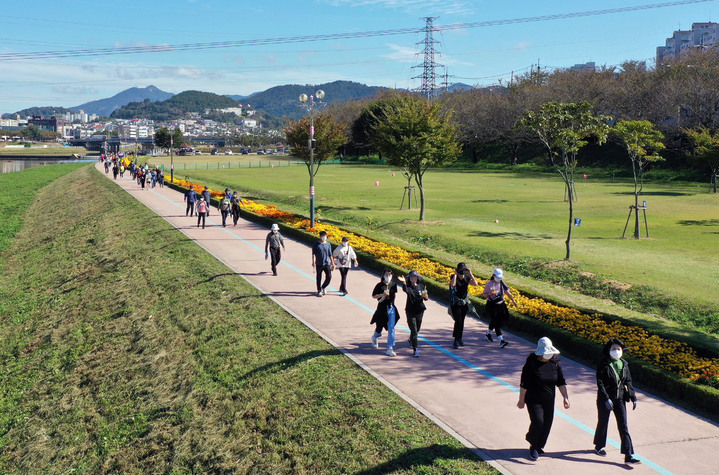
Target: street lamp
x,y
172,163
311,106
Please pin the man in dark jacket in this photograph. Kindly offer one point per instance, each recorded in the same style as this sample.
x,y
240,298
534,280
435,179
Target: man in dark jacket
x,y
206,194
191,199
322,262
614,390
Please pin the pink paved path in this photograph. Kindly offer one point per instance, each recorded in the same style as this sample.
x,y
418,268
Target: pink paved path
x,y
471,392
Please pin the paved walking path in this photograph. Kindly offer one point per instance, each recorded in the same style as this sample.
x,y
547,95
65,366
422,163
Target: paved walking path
x,y
471,392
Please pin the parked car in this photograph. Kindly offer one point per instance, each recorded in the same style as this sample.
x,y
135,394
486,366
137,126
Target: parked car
x,y
228,152
198,152
214,151
244,151
260,151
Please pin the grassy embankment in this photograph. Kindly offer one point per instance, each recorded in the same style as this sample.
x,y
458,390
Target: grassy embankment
x,y
672,275
126,348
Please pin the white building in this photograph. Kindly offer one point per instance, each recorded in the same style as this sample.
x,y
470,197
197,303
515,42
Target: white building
x,y
701,35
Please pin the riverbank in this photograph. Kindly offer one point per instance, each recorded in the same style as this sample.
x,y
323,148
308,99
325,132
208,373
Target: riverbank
x,y
128,348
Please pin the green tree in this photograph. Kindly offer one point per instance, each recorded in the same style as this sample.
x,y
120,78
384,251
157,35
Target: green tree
x,y
643,143
162,138
412,134
563,128
705,149
329,135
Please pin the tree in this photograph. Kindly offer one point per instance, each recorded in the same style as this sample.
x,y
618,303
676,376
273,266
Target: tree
x,y
643,143
706,149
329,135
162,138
563,128
413,134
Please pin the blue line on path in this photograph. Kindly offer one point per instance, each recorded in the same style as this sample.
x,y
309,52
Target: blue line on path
x,y
444,350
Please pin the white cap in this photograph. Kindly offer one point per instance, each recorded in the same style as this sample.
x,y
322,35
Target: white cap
x,y
275,227
499,273
545,348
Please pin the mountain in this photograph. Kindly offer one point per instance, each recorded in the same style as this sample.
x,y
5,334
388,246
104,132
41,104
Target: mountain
x,y
105,107
175,107
45,111
284,100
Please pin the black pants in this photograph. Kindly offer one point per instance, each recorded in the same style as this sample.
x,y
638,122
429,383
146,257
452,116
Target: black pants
x,y
620,413
201,216
328,276
235,215
415,324
224,217
190,208
541,417
275,256
343,274
459,312
497,313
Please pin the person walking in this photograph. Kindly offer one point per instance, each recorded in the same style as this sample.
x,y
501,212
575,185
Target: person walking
x,y
235,202
459,300
344,257
541,373
224,206
614,390
322,262
386,316
494,292
191,199
202,212
208,198
415,307
273,242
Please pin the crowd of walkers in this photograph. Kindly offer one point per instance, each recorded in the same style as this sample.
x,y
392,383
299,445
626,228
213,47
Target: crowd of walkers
x,y
542,372
145,176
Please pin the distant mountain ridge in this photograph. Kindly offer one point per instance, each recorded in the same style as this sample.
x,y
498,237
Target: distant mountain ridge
x,y
105,107
277,101
284,100
175,107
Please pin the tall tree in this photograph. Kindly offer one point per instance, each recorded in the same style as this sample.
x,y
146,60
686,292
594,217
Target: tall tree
x,y
706,149
413,134
643,143
564,128
163,135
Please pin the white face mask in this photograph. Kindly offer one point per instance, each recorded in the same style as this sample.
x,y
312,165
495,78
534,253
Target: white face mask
x,y
323,238
615,354
345,244
387,278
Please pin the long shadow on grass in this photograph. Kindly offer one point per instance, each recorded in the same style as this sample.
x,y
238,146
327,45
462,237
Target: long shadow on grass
x,y
699,222
532,237
654,193
412,460
290,362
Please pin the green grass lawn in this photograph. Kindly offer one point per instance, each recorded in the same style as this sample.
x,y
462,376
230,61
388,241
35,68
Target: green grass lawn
x,y
43,149
498,215
126,348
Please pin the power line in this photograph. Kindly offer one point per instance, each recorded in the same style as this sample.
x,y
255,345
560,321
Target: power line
x,y
168,48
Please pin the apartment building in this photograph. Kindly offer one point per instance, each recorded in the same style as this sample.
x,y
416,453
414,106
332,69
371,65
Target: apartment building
x,y
702,35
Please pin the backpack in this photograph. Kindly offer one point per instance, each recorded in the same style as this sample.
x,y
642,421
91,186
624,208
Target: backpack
x,y
225,205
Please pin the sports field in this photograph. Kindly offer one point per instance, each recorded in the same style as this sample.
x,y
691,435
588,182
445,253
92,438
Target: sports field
x,y
472,214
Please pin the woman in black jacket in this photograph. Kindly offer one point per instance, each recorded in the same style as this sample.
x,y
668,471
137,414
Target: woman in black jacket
x,y
386,316
614,390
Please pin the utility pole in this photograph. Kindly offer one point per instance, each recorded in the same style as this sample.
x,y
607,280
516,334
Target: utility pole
x,y
428,87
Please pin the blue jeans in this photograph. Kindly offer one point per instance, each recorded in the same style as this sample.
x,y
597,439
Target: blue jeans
x,y
391,321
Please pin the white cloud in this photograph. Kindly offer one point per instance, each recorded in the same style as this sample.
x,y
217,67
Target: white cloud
x,y
400,53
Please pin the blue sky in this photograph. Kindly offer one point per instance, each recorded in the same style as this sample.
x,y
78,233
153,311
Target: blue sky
x,y
478,55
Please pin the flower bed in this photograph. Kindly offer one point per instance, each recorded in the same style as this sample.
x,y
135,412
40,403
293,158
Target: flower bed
x,y
676,357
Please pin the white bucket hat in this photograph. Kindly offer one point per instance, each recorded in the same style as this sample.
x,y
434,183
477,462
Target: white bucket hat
x,y
545,348
499,273
275,227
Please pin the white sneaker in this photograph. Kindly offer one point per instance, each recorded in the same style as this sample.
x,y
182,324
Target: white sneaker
x,y
390,352
324,292
375,343
416,353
